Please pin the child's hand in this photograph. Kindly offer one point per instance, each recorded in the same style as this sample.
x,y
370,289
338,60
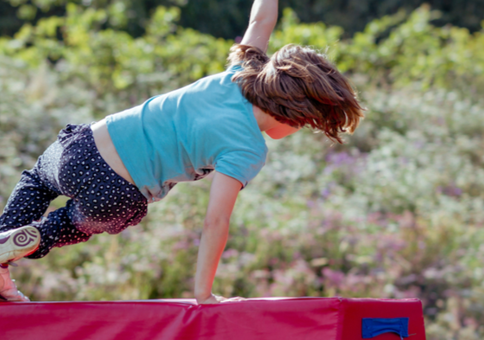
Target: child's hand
x,y
213,299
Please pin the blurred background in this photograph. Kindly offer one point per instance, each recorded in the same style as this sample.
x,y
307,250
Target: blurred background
x,y
397,212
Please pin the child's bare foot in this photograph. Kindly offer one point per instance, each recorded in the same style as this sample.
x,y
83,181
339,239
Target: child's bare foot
x,y
8,290
17,243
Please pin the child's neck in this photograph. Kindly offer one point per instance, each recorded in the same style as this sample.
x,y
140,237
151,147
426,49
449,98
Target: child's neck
x,y
265,121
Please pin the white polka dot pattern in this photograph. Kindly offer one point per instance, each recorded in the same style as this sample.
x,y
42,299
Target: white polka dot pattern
x,y
101,200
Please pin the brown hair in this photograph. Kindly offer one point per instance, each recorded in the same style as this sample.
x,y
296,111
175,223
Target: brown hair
x,y
298,86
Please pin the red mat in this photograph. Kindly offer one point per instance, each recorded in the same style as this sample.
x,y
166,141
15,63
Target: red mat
x,y
267,319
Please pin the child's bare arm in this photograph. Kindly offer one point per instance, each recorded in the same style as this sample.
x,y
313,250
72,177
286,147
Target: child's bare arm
x,y
223,194
263,19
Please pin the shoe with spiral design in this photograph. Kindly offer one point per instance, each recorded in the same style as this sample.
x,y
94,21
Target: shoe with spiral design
x,y
17,243
8,289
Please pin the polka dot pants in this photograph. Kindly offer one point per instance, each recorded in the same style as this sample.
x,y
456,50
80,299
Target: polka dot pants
x,y
100,200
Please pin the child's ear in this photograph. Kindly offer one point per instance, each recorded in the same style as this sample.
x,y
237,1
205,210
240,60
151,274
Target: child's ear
x,y
281,130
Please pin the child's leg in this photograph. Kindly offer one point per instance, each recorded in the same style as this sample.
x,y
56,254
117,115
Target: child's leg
x,y
111,212
57,230
31,198
28,201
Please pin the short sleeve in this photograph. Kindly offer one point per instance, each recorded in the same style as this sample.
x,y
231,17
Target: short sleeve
x,y
241,165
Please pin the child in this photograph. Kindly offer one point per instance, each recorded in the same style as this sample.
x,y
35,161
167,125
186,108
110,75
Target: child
x,y
114,168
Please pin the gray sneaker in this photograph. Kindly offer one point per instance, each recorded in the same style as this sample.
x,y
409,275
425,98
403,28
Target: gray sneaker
x,y
17,243
8,290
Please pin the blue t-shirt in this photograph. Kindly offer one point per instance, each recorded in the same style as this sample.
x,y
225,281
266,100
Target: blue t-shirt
x,y
186,134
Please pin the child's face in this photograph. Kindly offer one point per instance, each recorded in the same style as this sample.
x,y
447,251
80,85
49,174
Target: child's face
x,y
281,131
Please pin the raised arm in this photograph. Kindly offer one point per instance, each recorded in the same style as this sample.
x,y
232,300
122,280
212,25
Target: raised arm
x,y
223,194
263,19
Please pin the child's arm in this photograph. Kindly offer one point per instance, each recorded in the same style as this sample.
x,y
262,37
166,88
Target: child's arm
x,y
223,194
263,19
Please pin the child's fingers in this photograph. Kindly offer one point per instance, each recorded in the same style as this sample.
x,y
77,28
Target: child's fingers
x,y
213,299
234,299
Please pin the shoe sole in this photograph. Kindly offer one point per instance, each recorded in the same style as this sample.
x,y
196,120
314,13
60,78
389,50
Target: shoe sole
x,y
18,243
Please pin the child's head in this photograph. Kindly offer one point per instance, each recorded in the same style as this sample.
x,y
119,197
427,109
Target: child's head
x,y
298,86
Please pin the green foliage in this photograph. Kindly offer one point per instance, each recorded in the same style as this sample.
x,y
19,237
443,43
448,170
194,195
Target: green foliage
x,y
228,18
415,50
395,212
111,62
397,50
